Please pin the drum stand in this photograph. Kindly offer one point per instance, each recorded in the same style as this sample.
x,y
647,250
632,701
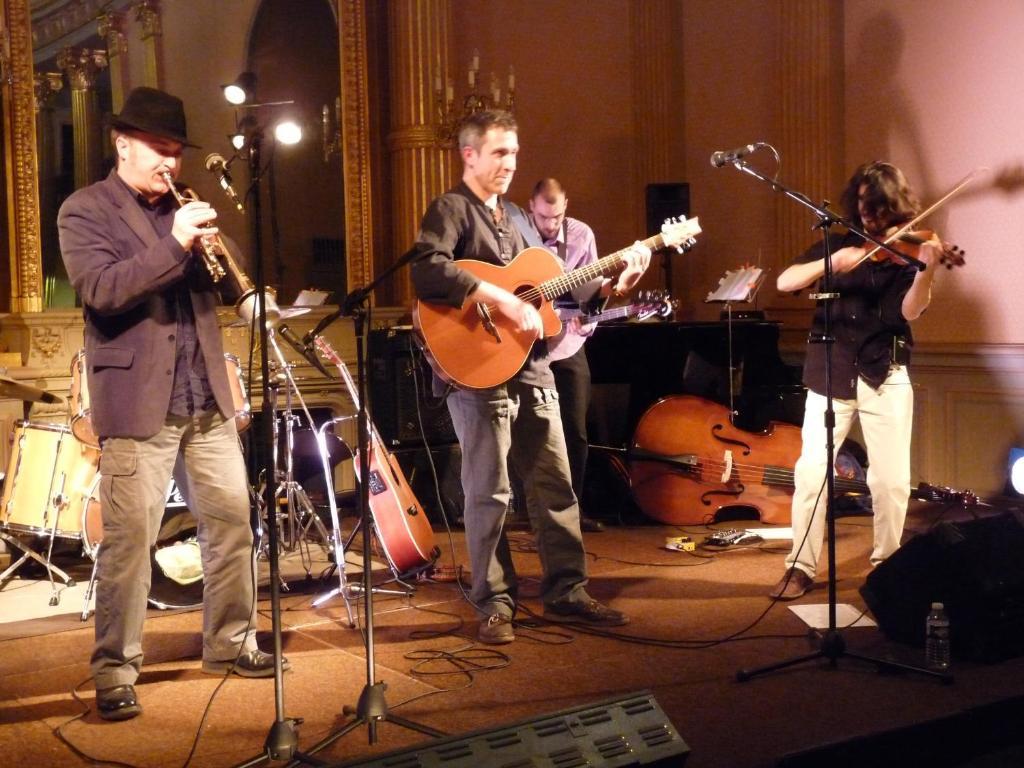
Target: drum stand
x,y
51,569
301,516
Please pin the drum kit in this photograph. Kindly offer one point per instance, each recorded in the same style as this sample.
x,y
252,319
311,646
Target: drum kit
x,y
51,491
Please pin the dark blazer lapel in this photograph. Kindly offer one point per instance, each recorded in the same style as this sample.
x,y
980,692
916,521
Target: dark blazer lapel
x,y
129,210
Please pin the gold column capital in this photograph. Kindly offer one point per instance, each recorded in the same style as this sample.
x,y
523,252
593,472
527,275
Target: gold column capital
x,y
110,26
81,66
46,85
147,13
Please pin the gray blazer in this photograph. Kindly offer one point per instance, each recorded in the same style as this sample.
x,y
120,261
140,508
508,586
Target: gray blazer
x,y
123,273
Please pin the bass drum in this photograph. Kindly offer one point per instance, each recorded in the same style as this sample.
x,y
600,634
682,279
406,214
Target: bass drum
x,y
177,580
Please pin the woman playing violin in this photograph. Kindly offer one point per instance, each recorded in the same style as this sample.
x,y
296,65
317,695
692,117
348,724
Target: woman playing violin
x,y
878,297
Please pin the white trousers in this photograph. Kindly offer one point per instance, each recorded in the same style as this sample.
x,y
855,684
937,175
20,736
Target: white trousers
x,y
886,419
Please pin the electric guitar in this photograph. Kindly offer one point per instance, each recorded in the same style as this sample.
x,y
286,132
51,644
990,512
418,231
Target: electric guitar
x,y
475,347
402,527
648,304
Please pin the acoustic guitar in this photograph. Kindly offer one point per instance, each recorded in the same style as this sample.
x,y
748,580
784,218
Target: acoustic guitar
x,y
402,527
477,348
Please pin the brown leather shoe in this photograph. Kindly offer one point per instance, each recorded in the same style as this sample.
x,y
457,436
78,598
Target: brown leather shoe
x,y
495,630
792,585
587,611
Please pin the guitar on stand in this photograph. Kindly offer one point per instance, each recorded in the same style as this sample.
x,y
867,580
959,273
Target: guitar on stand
x,y
403,529
477,349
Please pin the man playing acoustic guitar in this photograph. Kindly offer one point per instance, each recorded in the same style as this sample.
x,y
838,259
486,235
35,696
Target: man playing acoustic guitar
x,y
518,420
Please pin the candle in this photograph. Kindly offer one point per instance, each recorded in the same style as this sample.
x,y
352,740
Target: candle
x,y
475,66
472,78
437,83
450,91
511,79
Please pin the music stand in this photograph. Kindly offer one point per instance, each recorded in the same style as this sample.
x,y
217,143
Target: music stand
x,y
736,285
832,645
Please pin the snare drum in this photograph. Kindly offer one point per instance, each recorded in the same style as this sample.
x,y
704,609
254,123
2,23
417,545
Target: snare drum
x,y
81,418
239,397
49,481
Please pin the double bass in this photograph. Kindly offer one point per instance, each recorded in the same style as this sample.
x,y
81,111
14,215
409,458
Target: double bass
x,y
687,462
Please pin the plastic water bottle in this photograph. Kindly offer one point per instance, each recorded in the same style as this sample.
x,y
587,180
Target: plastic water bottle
x,y
936,639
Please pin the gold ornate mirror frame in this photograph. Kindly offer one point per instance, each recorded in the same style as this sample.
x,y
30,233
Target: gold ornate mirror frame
x,y
19,140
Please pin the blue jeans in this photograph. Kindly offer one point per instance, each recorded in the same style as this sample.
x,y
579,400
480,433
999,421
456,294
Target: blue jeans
x,y
519,424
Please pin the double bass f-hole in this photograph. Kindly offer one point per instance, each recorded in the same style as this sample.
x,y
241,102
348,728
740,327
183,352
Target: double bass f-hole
x,y
716,432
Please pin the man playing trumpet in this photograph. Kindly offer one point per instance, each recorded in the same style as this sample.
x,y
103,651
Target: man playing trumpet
x,y
158,388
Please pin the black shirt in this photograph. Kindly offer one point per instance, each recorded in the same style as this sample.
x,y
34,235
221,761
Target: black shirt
x,y
458,225
867,319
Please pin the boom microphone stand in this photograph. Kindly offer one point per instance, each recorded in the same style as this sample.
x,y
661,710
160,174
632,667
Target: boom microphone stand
x,y
372,707
832,645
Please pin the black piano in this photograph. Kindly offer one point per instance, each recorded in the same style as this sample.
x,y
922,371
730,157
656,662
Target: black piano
x,y
634,364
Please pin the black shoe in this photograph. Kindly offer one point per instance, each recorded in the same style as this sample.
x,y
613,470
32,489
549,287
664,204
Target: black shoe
x,y
590,525
255,663
587,611
117,703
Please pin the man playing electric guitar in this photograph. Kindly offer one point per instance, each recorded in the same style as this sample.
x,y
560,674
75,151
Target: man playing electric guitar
x,y
517,420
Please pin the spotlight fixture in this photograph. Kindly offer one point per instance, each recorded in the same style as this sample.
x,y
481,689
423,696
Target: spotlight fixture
x,y
241,91
1015,467
246,127
288,132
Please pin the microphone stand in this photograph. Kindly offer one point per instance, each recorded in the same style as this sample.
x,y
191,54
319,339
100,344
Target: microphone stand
x,y
282,740
372,707
832,645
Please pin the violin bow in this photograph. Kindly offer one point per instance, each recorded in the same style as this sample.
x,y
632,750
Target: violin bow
x,y
960,186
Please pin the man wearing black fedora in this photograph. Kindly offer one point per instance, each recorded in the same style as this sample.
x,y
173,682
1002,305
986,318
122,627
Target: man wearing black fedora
x,y
158,389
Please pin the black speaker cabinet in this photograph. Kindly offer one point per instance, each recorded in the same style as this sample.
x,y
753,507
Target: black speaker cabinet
x,y
631,731
441,497
665,201
975,568
400,394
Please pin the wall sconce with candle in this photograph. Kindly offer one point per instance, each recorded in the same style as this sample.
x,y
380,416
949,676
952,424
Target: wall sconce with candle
x,y
450,118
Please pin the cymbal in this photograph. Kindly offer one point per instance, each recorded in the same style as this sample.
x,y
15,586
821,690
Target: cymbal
x,y
286,313
19,391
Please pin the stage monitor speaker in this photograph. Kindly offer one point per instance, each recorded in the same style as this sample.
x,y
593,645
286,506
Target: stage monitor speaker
x,y
629,731
665,201
400,391
975,568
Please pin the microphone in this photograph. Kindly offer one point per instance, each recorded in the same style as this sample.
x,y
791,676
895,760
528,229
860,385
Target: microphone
x,y
723,157
216,165
296,343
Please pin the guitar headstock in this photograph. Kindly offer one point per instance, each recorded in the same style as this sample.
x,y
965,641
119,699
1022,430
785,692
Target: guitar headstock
x,y
680,233
654,303
324,348
943,495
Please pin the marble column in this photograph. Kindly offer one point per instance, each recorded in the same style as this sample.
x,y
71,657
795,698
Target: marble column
x,y
110,27
418,34
147,13
81,66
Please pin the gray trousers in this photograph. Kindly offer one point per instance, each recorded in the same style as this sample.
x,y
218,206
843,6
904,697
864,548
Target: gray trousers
x,y
133,493
518,424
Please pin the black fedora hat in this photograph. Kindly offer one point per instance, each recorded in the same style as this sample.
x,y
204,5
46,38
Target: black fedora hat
x,y
152,111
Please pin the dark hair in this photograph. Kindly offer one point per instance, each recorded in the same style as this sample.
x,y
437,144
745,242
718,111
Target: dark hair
x,y
474,127
549,189
888,196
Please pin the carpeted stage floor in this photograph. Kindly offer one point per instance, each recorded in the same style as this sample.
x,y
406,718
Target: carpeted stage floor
x,y
696,620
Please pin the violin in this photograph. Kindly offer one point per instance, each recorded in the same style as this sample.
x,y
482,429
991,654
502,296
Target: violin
x,y
909,244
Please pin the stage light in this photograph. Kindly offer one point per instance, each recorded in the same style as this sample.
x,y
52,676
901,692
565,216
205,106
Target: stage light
x,y
1015,465
246,127
288,132
242,90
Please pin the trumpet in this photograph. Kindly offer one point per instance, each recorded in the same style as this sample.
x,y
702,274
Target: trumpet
x,y
220,264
